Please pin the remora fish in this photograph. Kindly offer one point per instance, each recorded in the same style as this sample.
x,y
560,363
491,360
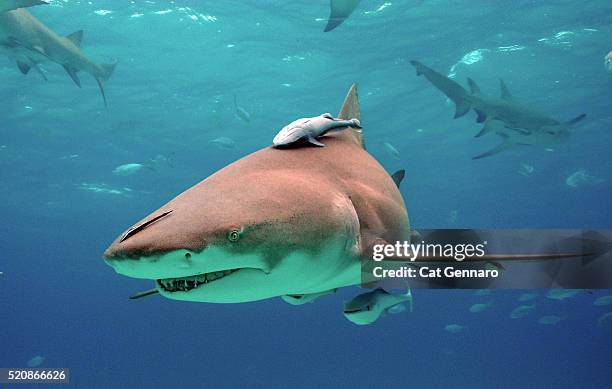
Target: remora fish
x,y
276,222
29,42
307,130
368,307
515,123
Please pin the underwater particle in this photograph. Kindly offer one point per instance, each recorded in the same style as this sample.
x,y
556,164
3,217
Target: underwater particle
x,y
521,311
582,178
103,12
454,328
36,361
525,170
562,294
608,62
549,320
605,320
391,150
128,169
448,351
603,300
480,307
223,143
527,296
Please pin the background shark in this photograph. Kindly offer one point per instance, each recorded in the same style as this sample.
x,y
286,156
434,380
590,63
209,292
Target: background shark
x,y
515,123
29,42
276,222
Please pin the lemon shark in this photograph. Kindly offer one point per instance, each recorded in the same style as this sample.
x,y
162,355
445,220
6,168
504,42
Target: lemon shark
x,y
28,42
278,222
515,123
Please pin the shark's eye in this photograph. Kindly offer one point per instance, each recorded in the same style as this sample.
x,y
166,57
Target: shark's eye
x,y
233,235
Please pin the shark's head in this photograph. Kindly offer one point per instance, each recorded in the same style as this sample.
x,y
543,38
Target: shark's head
x,y
237,237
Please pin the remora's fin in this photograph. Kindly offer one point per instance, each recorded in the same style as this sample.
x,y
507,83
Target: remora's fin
x,y
499,148
450,88
398,176
474,89
73,74
505,92
491,125
76,38
340,10
315,142
350,110
575,120
23,67
9,5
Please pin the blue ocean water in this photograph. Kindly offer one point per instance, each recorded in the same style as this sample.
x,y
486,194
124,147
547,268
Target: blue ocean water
x,y
180,63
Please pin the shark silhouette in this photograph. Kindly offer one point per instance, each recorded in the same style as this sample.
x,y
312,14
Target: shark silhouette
x,y
29,42
515,123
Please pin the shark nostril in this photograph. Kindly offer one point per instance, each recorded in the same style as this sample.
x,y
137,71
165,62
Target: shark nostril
x,y
187,256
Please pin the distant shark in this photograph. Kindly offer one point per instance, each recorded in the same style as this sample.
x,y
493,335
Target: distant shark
x,y
339,11
29,42
278,222
515,123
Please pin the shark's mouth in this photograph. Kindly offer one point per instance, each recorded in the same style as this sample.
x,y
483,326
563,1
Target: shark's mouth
x,y
185,284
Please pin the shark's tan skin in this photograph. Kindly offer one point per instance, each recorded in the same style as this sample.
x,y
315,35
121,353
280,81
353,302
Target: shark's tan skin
x,y
29,42
515,123
276,222
339,11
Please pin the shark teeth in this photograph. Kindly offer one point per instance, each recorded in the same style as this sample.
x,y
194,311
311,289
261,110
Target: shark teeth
x,y
185,284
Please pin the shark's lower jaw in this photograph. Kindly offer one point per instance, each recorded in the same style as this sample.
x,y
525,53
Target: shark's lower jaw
x,y
185,284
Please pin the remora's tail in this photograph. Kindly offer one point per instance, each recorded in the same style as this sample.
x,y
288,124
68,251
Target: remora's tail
x,y
450,88
9,5
106,70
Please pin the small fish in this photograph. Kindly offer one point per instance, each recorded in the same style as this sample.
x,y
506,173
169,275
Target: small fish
x,y
223,143
128,169
369,307
562,294
527,296
603,300
36,361
582,178
241,112
608,62
477,308
521,311
549,320
482,292
454,328
605,320
300,299
391,150
307,130
526,170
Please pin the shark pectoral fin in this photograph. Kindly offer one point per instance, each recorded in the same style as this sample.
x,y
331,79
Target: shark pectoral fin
x,y
73,74
501,147
23,67
480,116
340,10
505,92
575,120
462,107
491,125
76,38
474,89
315,142
10,5
398,176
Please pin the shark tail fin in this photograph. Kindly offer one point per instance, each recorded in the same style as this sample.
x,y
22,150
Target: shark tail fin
x,y
452,90
575,120
350,110
106,70
340,10
474,89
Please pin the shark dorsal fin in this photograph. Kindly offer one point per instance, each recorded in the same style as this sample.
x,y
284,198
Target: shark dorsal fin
x,y
505,93
350,110
398,176
474,89
76,38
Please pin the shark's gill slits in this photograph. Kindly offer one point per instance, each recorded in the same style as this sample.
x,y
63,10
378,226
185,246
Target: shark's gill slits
x,y
185,284
134,230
